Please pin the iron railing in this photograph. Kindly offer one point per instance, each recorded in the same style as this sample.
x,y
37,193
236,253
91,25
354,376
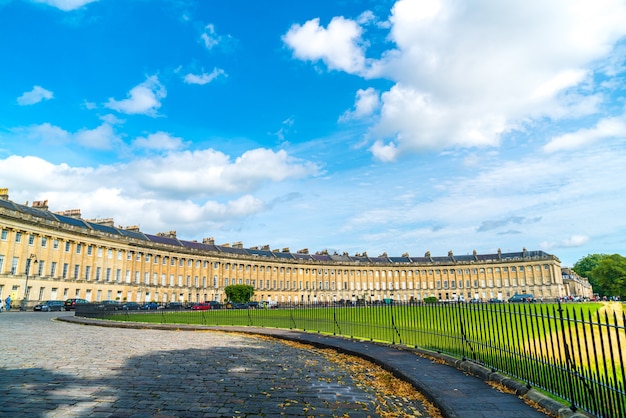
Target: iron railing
x,y
573,351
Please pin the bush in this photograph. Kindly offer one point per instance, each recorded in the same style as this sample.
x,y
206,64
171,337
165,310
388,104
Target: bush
x,y
431,299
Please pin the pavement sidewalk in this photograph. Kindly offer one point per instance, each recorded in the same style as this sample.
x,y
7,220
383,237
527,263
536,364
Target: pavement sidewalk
x,y
459,388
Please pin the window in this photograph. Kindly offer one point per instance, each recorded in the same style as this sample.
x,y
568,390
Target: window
x,y
87,272
44,242
79,247
55,244
76,270
89,249
67,247
4,235
53,268
31,240
18,237
65,267
98,273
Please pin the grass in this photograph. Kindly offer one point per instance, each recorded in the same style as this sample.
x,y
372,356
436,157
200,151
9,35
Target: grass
x,y
574,351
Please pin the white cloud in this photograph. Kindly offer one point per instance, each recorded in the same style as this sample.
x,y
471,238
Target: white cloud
x,y
144,98
366,103
610,128
103,137
204,78
209,37
339,46
36,95
159,192
466,74
66,5
210,172
159,141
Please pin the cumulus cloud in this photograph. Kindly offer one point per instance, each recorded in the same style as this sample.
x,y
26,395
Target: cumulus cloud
x,y
159,141
210,172
366,103
610,128
568,242
465,75
66,5
36,95
204,78
144,98
339,45
184,188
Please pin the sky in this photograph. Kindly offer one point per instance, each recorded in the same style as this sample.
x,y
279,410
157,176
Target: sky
x,y
374,126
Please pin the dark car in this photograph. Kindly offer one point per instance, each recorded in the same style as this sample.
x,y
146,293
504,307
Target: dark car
x,y
236,305
71,303
49,306
109,305
130,306
253,305
524,297
150,305
174,305
495,300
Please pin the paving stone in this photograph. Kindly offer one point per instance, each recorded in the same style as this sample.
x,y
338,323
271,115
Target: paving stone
x,y
65,369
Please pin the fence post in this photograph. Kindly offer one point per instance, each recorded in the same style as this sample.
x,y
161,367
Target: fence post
x,y
568,358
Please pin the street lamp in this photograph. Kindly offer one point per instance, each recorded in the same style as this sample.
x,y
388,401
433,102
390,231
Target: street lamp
x,y
31,259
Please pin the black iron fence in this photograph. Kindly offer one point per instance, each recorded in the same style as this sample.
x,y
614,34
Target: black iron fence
x,y
573,351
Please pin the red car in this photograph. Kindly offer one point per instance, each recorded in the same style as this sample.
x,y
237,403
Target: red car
x,y
201,307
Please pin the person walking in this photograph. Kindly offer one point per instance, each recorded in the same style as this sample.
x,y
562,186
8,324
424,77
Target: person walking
x,y
1,305
8,303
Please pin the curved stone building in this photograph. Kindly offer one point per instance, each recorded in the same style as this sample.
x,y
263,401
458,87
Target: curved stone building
x,y
45,255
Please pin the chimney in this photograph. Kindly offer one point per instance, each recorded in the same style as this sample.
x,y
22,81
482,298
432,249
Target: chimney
x,y
39,204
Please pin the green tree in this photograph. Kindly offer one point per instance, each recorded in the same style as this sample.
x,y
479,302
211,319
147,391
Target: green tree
x,y
585,265
584,268
606,273
239,293
610,275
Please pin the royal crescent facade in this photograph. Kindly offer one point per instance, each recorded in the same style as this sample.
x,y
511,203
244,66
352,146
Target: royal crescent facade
x,y
46,256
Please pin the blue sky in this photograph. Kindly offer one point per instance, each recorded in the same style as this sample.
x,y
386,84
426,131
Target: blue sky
x,y
351,126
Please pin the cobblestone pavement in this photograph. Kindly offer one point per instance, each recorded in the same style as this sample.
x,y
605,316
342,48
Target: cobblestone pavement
x,y
56,369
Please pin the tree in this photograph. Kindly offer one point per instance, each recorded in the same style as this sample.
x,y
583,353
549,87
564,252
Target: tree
x,y
239,293
610,275
584,268
606,273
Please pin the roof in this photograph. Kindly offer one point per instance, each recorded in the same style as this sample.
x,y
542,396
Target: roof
x,y
284,255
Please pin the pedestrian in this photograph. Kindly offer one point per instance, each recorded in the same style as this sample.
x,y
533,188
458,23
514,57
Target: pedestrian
x,y
1,304
7,302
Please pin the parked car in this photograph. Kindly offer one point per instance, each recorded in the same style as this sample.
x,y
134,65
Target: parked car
x,y
130,306
523,297
495,300
174,305
70,304
201,307
109,305
253,305
214,304
236,305
150,305
49,306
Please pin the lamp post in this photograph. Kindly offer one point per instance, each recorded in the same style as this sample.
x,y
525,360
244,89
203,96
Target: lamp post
x,y
31,259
